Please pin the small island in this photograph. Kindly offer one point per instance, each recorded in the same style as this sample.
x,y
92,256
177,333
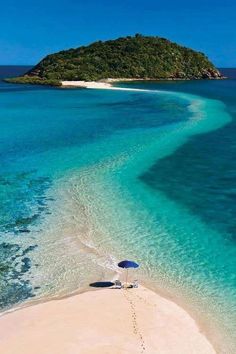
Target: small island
x,y
134,58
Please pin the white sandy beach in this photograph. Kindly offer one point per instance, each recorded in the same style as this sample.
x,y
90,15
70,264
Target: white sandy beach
x,y
87,84
105,84
104,321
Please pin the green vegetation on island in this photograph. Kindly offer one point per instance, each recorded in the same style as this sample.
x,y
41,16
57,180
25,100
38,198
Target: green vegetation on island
x,y
138,57
28,79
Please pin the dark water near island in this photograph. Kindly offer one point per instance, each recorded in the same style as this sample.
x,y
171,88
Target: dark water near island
x,y
88,177
204,168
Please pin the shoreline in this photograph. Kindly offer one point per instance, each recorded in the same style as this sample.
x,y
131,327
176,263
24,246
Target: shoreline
x,y
124,321
108,83
87,84
35,80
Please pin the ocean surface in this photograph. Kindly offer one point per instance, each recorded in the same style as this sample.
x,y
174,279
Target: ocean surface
x,y
89,177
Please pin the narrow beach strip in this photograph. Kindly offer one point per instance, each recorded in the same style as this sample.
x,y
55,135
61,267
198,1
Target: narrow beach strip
x,y
106,84
87,84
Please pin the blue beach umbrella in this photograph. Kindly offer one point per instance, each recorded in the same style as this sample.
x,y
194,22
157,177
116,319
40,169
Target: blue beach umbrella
x,y
127,264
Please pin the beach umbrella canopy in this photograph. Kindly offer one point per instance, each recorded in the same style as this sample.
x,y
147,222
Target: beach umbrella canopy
x,y
127,264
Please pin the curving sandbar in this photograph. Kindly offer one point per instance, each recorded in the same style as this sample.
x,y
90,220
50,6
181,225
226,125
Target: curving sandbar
x,y
104,321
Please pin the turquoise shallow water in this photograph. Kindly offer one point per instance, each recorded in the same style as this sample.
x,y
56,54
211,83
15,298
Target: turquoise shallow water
x,y
90,177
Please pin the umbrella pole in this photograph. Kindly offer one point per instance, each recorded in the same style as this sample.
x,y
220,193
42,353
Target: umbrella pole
x,y
127,278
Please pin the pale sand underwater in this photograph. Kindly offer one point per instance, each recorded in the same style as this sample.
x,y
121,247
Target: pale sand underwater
x,y
105,321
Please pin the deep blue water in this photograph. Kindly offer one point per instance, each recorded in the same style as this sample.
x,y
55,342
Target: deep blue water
x,y
202,173
151,174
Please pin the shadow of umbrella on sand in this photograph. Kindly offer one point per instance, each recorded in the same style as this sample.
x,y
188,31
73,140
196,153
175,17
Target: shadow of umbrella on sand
x,y
127,264
101,284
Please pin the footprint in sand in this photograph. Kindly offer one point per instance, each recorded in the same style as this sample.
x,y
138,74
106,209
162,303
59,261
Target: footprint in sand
x,y
136,330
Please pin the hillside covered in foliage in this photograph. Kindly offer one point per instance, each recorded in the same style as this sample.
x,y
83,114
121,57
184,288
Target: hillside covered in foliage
x,y
138,57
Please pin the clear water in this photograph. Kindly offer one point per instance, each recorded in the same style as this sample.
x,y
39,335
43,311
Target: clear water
x,y
88,177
